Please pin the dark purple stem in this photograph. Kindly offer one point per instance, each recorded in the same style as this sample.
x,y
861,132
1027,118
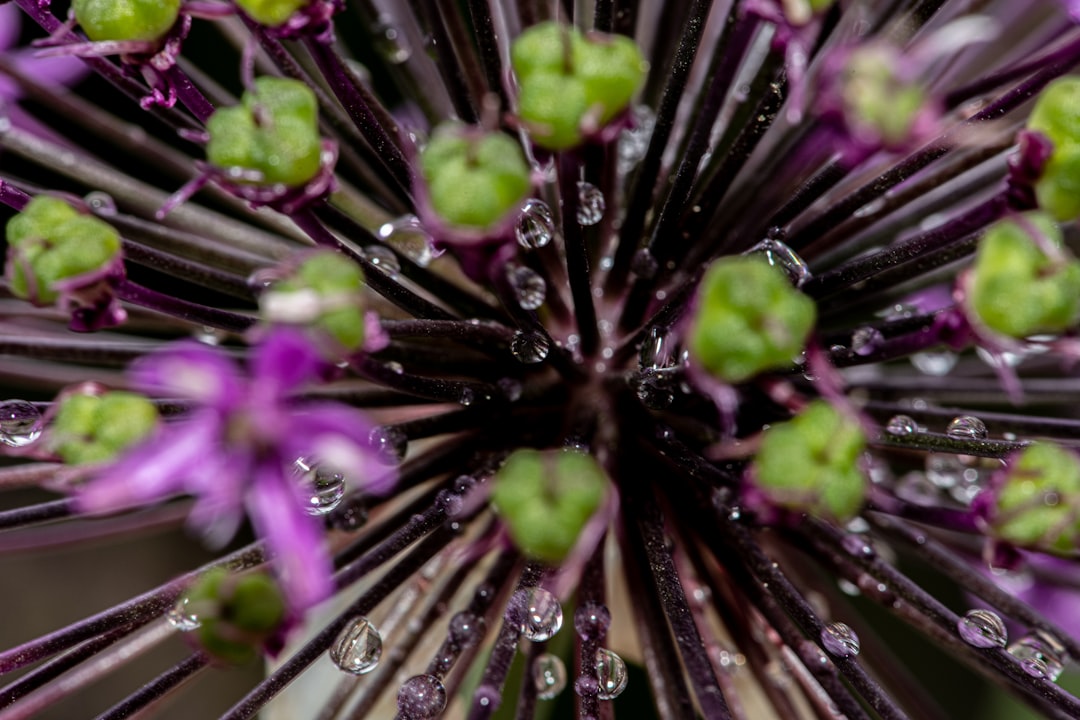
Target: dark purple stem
x,y
184,309
157,688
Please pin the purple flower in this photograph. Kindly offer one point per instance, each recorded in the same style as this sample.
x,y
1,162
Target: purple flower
x,y
236,449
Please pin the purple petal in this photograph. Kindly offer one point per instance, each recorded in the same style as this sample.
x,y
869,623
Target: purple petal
x,y
154,470
337,435
191,371
294,537
284,360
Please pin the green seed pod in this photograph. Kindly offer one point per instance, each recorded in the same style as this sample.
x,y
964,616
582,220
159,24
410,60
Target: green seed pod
x,y
97,428
236,613
1035,506
569,81
475,179
106,20
1057,116
326,293
546,498
274,131
811,463
748,319
876,100
271,13
1015,289
55,242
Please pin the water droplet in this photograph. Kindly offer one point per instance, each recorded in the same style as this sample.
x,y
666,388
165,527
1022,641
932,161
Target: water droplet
x,y
644,264
549,675
944,470
858,545
535,226
529,348
465,629
902,425
408,237
1040,655
181,617
390,41
468,397
634,140
780,255
982,629
421,697
611,674
20,423
389,443
865,340
323,488
936,364
383,259
654,390
591,204
351,515
101,203
357,648
840,640
655,351
538,611
591,621
529,287
966,427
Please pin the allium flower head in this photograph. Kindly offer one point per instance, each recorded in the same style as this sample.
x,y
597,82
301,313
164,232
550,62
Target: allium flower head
x,y
623,358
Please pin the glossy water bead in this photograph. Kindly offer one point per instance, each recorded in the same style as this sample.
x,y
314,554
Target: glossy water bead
x,y
421,697
549,675
611,674
982,629
540,613
840,640
20,423
358,647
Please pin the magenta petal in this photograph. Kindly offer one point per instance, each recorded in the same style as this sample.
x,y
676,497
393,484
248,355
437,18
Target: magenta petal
x,y
190,371
294,537
338,436
284,361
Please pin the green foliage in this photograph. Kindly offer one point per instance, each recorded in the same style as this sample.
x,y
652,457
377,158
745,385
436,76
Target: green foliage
x,y
475,178
546,498
105,20
236,613
1016,290
96,428
1036,506
811,463
274,131
748,319
1057,116
570,81
272,13
55,242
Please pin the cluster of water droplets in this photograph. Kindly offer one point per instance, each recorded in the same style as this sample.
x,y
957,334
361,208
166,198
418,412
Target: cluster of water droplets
x,y
357,648
1041,655
21,423
960,476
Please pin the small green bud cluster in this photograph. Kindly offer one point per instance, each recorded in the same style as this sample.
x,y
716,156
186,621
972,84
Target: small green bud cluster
x,y
573,84
811,463
271,13
125,20
236,613
1015,289
877,100
96,428
325,293
1056,116
1036,505
50,241
748,319
474,178
546,498
273,132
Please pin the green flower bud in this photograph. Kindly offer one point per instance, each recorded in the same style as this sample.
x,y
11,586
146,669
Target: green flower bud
x,y
546,498
236,613
1057,116
748,319
274,131
271,13
475,179
876,100
97,428
55,242
1035,506
811,463
1015,289
147,20
569,81
325,292
800,12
